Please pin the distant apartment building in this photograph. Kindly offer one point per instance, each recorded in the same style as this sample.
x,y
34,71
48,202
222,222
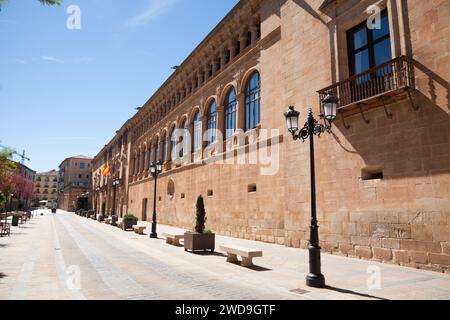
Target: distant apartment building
x,y
73,181
23,181
46,188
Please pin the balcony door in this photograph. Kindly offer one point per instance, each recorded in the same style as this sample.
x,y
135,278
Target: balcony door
x,y
369,48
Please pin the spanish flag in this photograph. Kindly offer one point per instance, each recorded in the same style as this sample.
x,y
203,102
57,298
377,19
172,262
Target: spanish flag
x,y
106,171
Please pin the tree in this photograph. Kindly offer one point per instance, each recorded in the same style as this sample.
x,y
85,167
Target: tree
x,y
200,217
8,170
44,2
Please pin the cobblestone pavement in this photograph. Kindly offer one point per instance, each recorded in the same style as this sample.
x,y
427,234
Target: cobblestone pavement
x,y
64,256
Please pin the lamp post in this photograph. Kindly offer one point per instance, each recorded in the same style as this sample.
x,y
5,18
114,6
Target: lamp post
x,y
155,170
97,191
115,184
329,106
87,200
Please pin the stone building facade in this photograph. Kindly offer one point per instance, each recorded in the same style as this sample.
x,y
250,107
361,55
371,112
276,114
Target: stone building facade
x,y
74,181
46,188
383,174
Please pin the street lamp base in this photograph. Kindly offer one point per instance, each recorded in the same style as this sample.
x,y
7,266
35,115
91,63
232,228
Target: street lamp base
x,y
153,235
315,280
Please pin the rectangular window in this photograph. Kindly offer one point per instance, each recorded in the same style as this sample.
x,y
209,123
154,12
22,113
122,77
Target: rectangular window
x,y
82,165
369,47
372,173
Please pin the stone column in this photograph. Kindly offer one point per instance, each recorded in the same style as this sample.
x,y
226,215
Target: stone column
x,y
254,31
144,156
232,48
240,116
220,124
223,57
144,165
165,141
199,78
242,40
204,118
191,142
214,65
132,166
138,162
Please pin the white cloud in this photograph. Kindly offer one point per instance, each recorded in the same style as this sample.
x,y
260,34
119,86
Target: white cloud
x,y
20,61
76,60
51,59
154,9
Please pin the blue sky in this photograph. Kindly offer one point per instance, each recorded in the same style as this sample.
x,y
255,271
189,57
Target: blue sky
x,y
65,92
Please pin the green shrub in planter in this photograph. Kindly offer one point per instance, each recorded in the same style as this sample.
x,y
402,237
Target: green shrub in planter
x,y
200,239
200,217
128,221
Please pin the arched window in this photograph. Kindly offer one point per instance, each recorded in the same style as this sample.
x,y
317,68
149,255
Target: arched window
x,y
197,131
212,122
252,102
157,151
230,113
185,128
164,149
149,155
173,145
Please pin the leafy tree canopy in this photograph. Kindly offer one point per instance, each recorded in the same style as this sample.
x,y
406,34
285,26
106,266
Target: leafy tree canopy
x,y
8,171
44,2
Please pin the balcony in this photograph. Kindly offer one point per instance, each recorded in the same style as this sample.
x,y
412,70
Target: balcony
x,y
384,84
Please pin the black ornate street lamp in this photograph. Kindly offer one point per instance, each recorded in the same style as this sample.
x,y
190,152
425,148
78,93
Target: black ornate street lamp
x,y
87,200
97,191
115,184
155,170
329,106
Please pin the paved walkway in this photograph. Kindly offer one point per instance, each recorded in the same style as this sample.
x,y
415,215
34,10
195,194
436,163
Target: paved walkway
x,y
64,256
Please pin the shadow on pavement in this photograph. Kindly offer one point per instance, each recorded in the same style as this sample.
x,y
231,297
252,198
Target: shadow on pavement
x,y
254,267
354,293
207,253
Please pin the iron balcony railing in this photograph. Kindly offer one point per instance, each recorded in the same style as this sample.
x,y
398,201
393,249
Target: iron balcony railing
x,y
390,76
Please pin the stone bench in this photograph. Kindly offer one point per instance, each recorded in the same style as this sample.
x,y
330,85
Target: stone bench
x,y
172,238
5,229
139,229
246,254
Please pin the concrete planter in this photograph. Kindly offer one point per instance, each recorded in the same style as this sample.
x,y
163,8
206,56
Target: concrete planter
x,y
128,224
194,241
